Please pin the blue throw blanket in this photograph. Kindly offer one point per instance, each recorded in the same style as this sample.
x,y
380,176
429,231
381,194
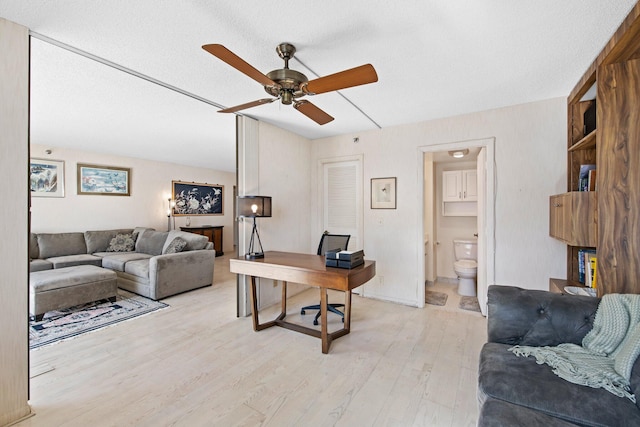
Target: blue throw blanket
x,y
608,351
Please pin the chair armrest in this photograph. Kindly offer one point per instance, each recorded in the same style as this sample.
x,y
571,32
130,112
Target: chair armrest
x,y
538,318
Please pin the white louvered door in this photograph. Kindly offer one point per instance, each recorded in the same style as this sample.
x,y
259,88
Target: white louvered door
x,y
342,200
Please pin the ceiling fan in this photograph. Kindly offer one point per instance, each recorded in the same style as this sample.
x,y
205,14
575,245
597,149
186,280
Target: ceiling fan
x,y
290,85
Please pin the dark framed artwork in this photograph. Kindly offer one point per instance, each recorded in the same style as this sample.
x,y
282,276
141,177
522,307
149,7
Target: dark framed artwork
x,y
46,178
383,193
192,198
103,180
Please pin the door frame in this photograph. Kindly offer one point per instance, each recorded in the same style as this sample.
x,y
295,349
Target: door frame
x,y
489,214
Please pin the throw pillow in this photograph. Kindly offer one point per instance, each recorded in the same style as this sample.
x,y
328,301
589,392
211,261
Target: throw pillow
x,y
176,245
123,243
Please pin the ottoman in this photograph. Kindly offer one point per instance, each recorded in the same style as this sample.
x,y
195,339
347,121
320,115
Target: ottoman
x,y
69,286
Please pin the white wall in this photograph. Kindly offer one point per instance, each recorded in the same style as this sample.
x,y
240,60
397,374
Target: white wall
x,y
147,206
14,127
285,175
530,166
450,227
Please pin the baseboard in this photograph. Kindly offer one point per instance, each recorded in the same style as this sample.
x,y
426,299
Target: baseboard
x,y
450,280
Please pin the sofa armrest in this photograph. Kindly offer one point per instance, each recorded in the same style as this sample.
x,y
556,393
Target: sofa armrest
x,y
538,318
171,274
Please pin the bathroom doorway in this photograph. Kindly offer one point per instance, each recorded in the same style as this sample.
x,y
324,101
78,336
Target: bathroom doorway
x,y
458,202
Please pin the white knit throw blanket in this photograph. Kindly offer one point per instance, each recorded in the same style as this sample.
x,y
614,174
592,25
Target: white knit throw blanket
x,y
608,351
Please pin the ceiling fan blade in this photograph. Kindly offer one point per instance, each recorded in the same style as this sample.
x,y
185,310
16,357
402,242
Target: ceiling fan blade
x,y
361,75
313,112
238,63
247,105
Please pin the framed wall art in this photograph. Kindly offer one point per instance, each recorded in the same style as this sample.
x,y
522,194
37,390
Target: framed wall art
x,y
46,178
192,198
104,180
383,193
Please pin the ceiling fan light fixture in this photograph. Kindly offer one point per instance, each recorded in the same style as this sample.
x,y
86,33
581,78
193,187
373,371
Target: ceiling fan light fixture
x,y
287,97
458,154
289,85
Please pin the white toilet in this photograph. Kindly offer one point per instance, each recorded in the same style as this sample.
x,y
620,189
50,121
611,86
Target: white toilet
x,y
466,266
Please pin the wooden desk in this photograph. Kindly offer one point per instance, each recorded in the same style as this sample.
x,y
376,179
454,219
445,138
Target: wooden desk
x,y
308,270
213,232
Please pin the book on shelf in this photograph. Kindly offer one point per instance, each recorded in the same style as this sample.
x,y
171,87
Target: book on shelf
x,y
591,180
590,270
582,257
583,177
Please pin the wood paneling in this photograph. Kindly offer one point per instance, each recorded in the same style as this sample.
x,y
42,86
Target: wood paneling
x,y
619,177
573,218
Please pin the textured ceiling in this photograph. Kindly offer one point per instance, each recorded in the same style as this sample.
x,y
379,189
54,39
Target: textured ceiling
x,y
434,59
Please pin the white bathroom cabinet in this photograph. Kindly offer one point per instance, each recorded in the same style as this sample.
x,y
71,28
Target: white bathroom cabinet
x,y
460,193
460,186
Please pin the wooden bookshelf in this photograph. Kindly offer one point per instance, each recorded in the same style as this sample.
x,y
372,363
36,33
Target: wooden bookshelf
x,y
588,141
612,226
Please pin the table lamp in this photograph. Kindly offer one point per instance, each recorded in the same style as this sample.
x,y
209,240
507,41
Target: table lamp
x,y
254,207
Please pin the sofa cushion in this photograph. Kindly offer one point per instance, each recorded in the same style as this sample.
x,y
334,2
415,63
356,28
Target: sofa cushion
x,y
175,246
43,281
98,241
151,242
123,243
521,381
73,260
635,381
40,265
194,241
60,244
34,253
497,413
116,260
138,268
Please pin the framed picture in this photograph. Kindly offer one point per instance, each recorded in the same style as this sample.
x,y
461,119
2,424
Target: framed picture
x,y
46,178
104,180
383,193
192,198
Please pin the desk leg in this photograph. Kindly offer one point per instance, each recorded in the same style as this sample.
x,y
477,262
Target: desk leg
x,y
254,307
323,321
283,313
347,311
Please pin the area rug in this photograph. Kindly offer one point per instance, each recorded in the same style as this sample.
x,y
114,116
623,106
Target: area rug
x,y
435,298
63,324
469,303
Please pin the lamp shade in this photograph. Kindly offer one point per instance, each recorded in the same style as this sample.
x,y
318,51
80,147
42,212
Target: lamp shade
x,y
254,206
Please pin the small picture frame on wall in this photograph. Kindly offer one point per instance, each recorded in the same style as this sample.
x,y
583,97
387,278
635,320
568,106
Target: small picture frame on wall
x,y
46,178
192,198
103,180
383,193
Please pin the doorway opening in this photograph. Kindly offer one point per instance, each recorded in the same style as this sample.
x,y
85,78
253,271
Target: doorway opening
x,y
458,204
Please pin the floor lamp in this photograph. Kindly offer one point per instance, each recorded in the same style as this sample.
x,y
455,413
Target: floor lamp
x,y
254,207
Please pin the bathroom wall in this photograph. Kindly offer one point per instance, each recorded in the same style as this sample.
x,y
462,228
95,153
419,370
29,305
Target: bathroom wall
x,y
449,227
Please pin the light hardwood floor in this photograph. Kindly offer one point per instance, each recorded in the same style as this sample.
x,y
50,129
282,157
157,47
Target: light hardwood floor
x,y
196,364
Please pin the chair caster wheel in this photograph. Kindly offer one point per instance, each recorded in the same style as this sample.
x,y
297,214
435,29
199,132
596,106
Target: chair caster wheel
x,y
302,312
315,322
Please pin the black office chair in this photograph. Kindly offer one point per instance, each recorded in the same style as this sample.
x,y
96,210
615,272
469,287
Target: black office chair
x,y
329,242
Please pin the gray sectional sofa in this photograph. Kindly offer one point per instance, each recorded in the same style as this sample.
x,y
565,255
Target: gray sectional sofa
x,y
160,264
516,391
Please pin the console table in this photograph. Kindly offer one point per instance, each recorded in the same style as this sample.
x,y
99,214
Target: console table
x,y
213,232
308,270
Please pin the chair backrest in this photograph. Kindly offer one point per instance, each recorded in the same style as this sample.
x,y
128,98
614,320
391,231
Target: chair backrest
x,y
330,242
